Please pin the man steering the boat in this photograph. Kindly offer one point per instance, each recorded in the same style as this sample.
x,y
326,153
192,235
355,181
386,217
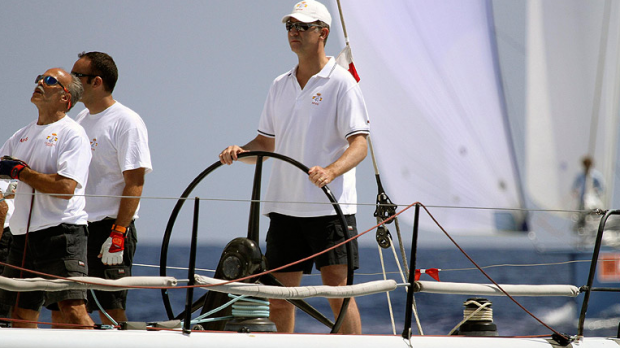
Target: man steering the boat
x,y
316,114
48,157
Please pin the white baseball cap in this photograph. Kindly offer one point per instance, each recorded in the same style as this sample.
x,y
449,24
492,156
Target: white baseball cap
x,y
309,11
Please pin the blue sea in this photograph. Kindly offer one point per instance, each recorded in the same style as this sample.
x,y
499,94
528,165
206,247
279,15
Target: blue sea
x,y
438,313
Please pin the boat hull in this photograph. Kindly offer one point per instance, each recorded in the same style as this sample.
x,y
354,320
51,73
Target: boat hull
x,y
49,338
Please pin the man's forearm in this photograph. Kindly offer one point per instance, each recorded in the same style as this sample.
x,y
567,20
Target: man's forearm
x,y
260,143
134,182
352,156
129,205
4,209
49,183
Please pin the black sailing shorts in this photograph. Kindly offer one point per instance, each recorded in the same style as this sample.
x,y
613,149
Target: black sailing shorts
x,y
292,238
59,251
99,231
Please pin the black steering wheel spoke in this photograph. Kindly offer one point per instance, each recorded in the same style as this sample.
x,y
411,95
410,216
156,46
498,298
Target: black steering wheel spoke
x,y
253,223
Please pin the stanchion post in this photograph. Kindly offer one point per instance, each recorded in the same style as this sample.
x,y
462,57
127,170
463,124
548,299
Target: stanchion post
x,y
595,254
414,246
192,268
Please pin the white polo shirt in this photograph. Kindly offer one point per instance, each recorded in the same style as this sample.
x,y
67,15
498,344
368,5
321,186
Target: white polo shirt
x,y
312,126
60,147
119,142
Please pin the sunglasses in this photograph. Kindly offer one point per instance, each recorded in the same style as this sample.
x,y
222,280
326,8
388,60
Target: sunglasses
x,y
77,74
300,26
52,81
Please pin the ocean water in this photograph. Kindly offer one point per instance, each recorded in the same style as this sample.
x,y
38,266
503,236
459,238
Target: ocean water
x,y
438,313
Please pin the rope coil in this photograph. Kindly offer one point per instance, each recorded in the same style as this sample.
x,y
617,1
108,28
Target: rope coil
x,y
250,308
483,312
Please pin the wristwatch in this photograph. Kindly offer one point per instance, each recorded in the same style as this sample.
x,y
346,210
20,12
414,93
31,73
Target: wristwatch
x,y
120,229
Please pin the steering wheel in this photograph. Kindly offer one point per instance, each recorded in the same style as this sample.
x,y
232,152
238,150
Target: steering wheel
x,y
253,234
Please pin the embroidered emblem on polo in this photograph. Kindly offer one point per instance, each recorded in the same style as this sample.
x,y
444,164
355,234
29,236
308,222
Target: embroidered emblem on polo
x,y
317,99
93,144
51,140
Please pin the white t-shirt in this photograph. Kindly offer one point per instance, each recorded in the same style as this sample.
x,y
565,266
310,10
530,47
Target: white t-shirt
x,y
119,142
4,184
60,147
312,126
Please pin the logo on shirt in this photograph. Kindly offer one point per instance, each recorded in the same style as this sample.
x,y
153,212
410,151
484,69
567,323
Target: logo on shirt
x,y
23,139
93,144
316,99
51,140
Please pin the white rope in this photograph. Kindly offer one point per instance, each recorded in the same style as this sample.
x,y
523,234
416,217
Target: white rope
x,y
414,306
72,283
478,314
472,314
492,290
387,293
298,292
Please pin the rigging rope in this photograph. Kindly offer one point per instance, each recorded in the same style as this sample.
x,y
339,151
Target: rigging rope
x,y
404,279
489,277
387,293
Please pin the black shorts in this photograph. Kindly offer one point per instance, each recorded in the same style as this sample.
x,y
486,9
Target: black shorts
x,y
291,238
5,246
98,232
58,250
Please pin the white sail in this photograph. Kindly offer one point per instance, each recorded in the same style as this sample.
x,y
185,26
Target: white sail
x,y
428,73
489,103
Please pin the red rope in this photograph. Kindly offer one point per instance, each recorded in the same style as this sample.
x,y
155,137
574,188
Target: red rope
x,y
47,323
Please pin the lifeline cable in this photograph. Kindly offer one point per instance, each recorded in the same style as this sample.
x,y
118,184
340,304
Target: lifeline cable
x,y
336,246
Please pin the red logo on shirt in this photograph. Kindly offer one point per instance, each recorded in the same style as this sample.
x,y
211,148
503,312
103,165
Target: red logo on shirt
x,y
51,140
93,144
317,99
23,139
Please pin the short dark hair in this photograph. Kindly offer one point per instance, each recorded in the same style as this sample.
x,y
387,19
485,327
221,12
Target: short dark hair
x,y
103,66
321,26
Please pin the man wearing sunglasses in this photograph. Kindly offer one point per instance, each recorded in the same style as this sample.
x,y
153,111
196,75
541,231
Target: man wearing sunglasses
x,y
121,158
315,114
49,222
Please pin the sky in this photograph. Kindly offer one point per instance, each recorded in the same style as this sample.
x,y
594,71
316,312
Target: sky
x,y
196,71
